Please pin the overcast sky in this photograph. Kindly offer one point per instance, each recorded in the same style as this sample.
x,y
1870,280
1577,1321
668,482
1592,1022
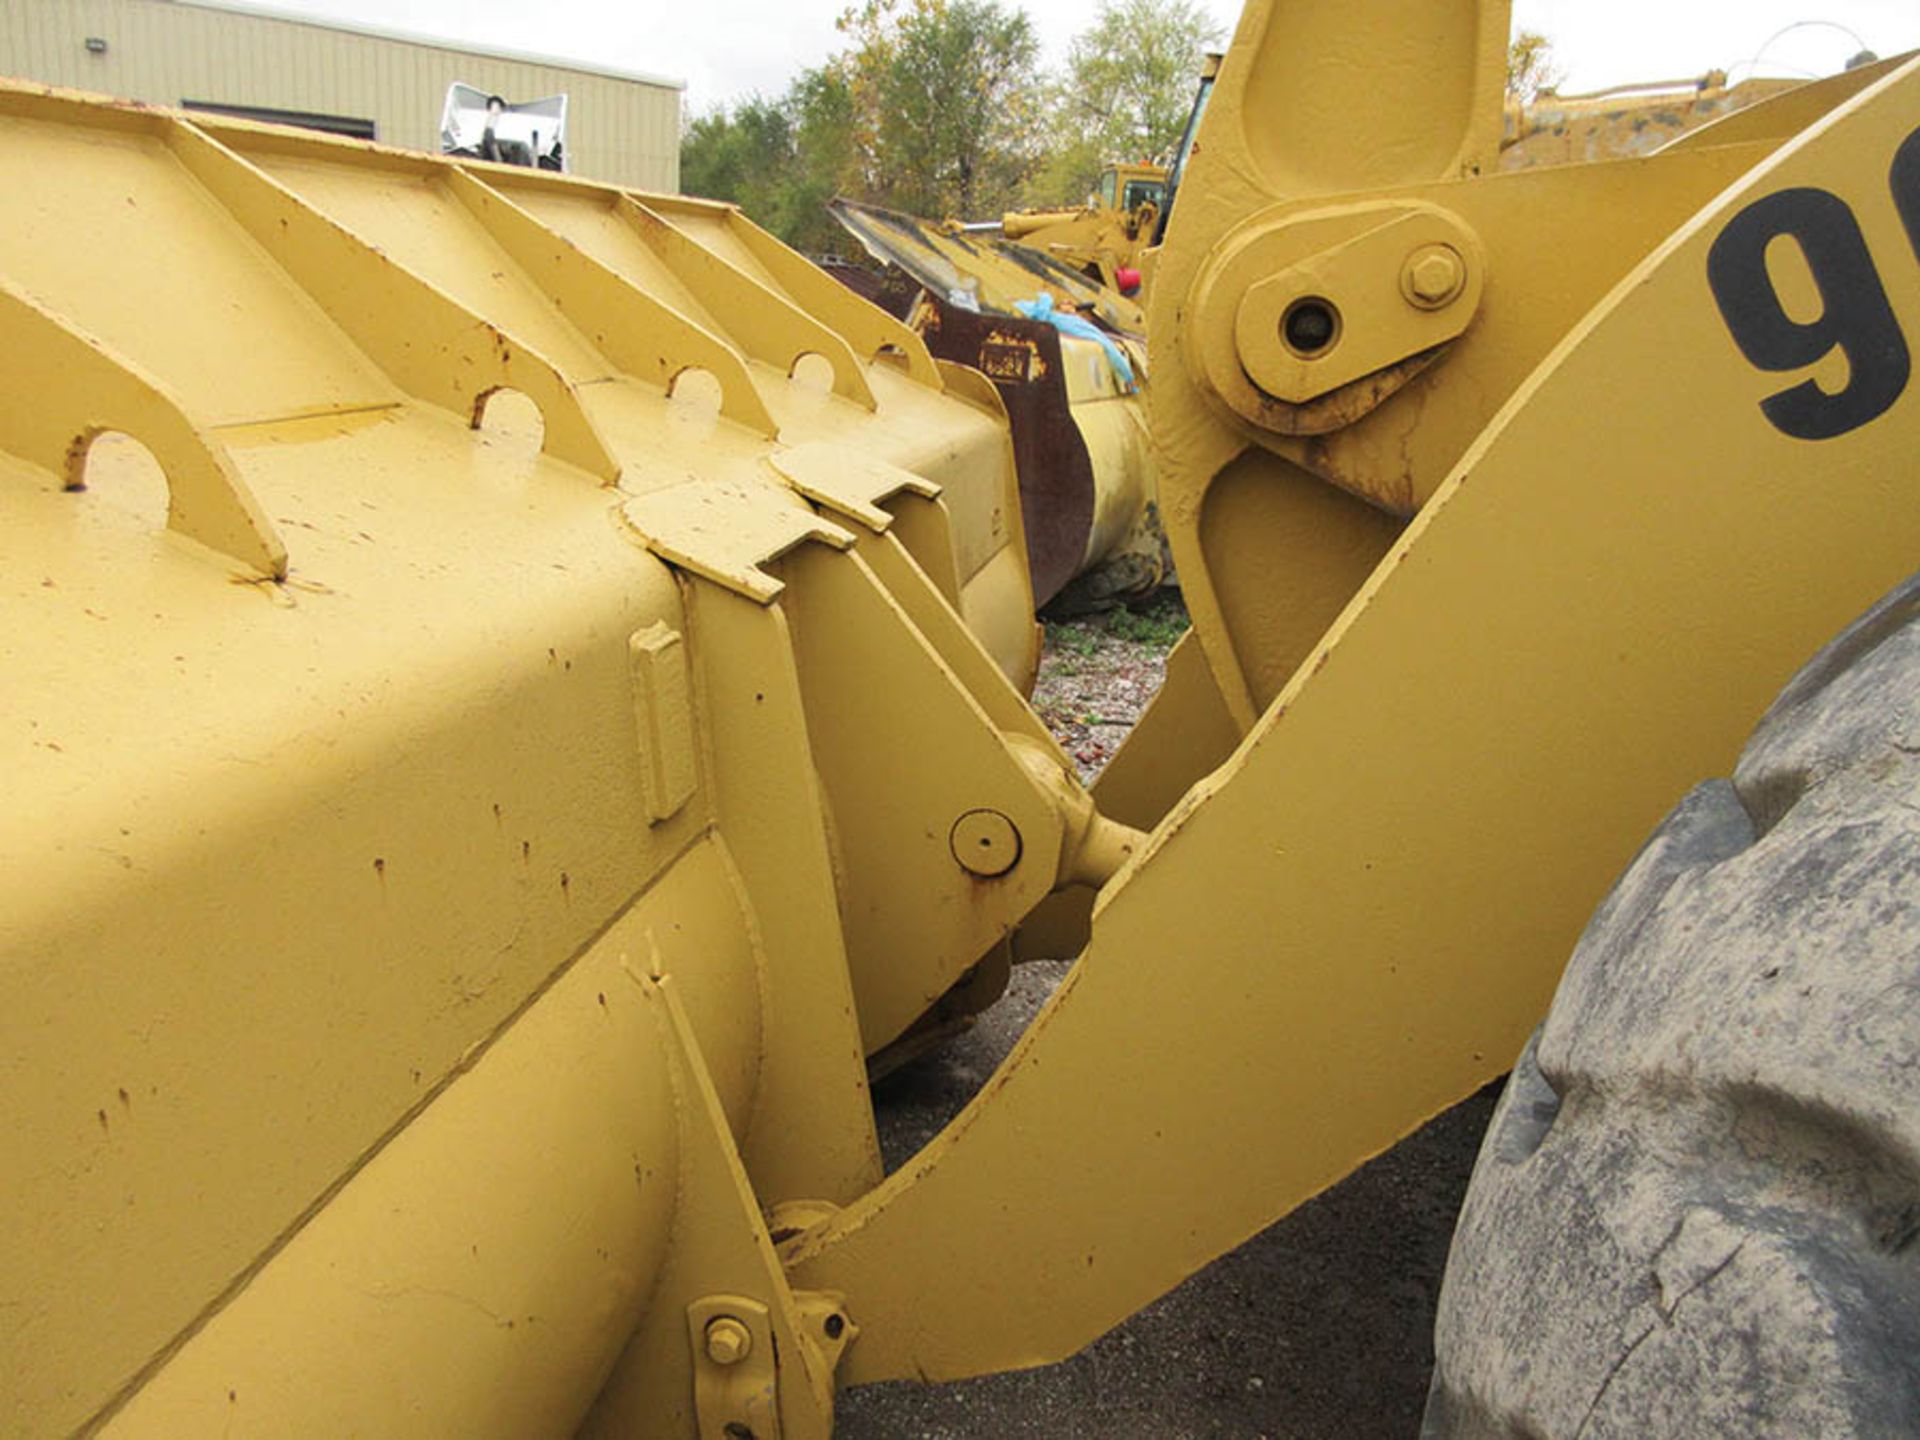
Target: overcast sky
x,y
727,49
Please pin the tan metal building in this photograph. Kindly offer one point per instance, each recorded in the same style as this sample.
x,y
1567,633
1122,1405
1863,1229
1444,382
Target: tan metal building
x,y
351,79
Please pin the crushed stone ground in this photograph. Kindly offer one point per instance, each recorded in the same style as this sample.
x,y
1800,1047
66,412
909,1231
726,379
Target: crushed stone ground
x,y
1098,672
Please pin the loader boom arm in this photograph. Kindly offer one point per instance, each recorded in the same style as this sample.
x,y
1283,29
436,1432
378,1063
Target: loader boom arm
x,y
1356,920
462,867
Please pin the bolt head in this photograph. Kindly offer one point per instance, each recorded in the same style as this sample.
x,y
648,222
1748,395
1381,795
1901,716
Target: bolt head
x,y
728,1341
985,843
1434,275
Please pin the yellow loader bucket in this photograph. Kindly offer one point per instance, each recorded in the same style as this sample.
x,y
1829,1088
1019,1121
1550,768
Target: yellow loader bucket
x,y
513,695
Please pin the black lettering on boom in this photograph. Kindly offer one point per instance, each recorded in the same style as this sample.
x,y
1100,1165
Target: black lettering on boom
x,y
1854,316
1904,181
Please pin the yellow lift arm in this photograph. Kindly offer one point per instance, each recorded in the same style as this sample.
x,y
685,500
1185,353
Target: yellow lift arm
x,y
456,875
1460,726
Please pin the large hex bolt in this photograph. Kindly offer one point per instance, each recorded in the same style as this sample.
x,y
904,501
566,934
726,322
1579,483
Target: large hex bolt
x,y
728,1341
1433,276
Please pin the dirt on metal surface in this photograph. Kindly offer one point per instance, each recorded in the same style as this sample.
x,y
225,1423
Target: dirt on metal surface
x,y
1022,358
1321,1326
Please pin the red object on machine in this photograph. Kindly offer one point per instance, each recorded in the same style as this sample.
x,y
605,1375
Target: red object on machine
x,y
1128,279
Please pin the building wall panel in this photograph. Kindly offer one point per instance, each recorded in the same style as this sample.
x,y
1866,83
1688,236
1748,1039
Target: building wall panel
x,y
624,129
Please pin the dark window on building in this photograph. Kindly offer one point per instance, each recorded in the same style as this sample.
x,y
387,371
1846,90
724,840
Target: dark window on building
x,y
332,124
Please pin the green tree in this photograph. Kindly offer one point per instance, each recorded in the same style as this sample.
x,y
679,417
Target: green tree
x,y
1530,68
780,161
933,107
1130,82
826,161
947,99
740,154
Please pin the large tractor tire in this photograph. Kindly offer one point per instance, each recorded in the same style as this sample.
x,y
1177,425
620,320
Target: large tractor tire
x,y
1695,1211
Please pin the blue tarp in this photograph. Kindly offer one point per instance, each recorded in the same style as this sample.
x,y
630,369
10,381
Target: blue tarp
x,y
1042,309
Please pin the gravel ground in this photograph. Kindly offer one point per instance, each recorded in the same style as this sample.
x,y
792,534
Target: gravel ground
x,y
1098,673
1321,1326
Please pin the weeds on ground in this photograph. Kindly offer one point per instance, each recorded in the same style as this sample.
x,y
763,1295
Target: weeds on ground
x,y
1155,625
1072,638
1158,624
1099,672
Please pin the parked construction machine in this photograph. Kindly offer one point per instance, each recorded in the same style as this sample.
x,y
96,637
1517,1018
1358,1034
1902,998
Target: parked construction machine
x,y
1104,237
1068,357
1079,431
458,870
1048,305
1627,120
